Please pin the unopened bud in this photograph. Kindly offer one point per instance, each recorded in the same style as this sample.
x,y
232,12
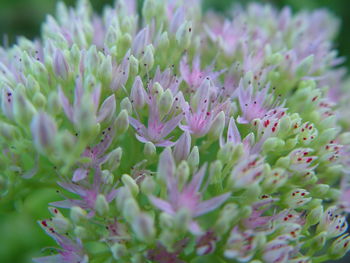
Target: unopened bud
x,y
122,122
101,205
131,184
182,147
43,130
143,226
77,214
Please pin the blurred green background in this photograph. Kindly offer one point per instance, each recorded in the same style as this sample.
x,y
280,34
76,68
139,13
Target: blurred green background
x,y
20,236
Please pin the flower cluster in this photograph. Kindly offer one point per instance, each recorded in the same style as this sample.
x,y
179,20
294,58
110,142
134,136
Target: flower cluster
x,y
177,136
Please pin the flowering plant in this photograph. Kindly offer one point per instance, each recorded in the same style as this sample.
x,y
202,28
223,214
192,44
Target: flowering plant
x,y
177,136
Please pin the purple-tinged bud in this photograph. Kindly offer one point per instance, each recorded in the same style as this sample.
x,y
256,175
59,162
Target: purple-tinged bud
x,y
7,102
339,247
80,174
60,65
277,250
296,198
107,109
140,42
122,122
138,93
166,165
143,226
44,130
332,222
182,147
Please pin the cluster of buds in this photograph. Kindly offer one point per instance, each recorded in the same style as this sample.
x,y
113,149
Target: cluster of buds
x,y
175,136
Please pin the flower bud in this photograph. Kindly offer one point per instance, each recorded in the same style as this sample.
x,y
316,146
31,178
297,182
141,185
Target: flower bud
x,y
134,65
125,104
131,184
225,153
143,226
107,109
80,232
183,173
43,130
122,122
77,214
101,205
193,158
182,147
183,34
131,209
147,59
166,221
296,198
119,251
166,165
114,158
319,190
149,150
148,185
163,42
314,216
23,110
165,103
304,67
60,224
217,126
339,247
60,65
138,93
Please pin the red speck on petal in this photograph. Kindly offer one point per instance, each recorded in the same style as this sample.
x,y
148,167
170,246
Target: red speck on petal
x,y
44,223
309,160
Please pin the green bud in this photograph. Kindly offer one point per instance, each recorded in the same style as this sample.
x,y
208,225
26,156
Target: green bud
x,y
125,104
114,158
148,186
166,221
304,67
183,34
101,205
131,184
217,126
80,232
134,65
149,150
147,59
163,43
122,122
319,190
314,216
131,209
183,172
193,158
165,102
77,214
23,110
273,144
119,251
